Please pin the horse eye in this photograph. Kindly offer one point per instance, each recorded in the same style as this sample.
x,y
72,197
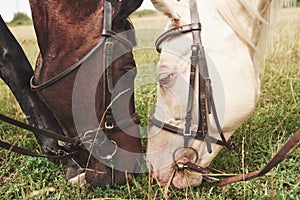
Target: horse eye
x,y
165,79
126,69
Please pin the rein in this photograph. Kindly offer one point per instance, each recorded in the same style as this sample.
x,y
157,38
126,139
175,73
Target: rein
x,y
291,145
75,142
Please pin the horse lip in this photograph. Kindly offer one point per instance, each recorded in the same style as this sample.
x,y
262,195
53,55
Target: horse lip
x,y
181,179
78,180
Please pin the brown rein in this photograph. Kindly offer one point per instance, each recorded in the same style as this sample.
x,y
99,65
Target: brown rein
x,y
291,145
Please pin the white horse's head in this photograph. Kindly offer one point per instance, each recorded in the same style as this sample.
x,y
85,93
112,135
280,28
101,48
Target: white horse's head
x,y
233,34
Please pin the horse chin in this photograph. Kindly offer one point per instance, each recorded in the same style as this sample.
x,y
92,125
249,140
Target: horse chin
x,y
100,175
99,179
102,179
183,180
179,179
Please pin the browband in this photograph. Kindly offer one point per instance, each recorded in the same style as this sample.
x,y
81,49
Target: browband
x,y
175,32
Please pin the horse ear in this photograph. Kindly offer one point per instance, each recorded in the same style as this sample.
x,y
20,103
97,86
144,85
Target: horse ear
x,y
129,6
174,10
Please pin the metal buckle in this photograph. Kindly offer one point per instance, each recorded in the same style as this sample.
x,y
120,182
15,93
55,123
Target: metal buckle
x,y
186,137
109,126
108,48
187,134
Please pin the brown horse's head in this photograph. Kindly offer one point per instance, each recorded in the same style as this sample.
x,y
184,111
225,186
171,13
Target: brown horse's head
x,y
95,101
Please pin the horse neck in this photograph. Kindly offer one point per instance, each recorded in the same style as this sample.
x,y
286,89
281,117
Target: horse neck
x,y
251,21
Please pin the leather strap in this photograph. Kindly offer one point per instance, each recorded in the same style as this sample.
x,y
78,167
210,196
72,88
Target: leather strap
x,y
199,60
176,32
108,50
107,20
194,134
291,145
112,34
65,73
284,152
16,149
188,118
75,142
109,35
43,132
106,32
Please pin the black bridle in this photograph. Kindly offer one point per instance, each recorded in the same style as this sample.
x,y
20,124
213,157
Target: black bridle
x,y
110,125
206,101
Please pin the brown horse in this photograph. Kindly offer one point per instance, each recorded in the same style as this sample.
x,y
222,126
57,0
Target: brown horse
x,y
67,31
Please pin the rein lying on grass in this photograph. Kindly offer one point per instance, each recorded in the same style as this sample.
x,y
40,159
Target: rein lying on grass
x,y
291,145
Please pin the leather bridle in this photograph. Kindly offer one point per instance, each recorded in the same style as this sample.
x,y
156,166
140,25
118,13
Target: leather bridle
x,y
110,125
205,98
207,106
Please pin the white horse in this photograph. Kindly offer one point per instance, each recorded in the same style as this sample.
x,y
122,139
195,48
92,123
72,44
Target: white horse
x,y
234,36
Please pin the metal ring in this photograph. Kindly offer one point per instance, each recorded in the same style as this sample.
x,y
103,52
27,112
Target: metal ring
x,y
110,156
88,132
94,131
194,150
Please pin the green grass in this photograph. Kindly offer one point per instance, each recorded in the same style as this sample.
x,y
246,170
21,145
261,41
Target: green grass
x,y
271,124
20,18
143,13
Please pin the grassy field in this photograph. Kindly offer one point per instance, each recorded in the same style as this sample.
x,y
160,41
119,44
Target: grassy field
x,y
276,117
